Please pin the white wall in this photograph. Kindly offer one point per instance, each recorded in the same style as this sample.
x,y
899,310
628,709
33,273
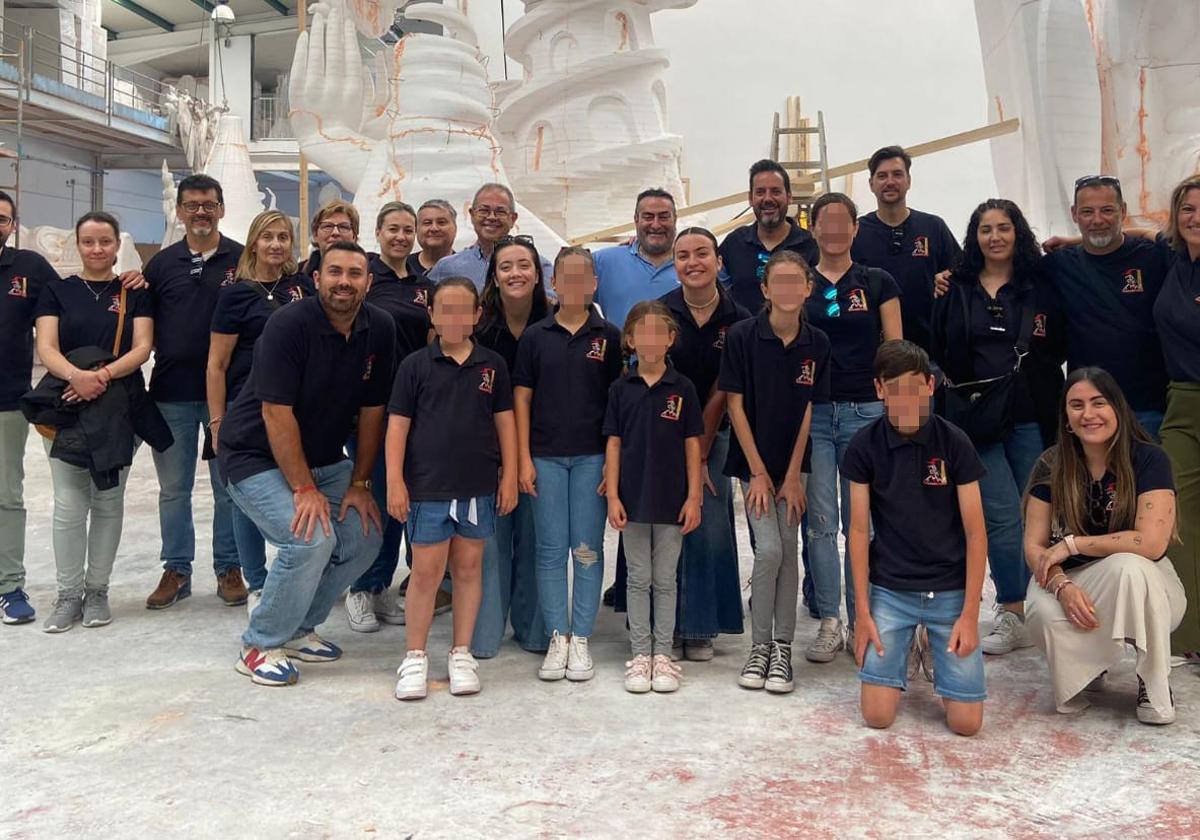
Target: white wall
x,y
47,196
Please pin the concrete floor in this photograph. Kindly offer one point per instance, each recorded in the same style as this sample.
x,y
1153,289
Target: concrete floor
x,y
143,729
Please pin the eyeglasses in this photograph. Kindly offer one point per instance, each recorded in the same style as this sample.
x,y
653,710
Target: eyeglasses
x,y
763,258
515,240
833,307
197,206
897,244
500,213
330,227
5,221
1097,181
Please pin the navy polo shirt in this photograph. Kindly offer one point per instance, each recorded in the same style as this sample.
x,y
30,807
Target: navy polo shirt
x,y
1151,471
493,333
406,299
653,423
777,383
453,449
303,362
745,257
243,310
570,376
183,309
624,278
84,320
1177,315
697,350
854,333
1108,302
919,544
413,264
23,275
913,253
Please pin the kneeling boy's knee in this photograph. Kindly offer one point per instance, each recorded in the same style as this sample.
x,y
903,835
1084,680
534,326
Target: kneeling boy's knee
x,y
878,718
965,722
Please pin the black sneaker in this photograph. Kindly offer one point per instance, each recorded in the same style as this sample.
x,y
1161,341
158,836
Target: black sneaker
x,y
779,675
610,596
1148,714
754,672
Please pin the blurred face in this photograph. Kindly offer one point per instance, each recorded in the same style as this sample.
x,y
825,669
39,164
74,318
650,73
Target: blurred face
x,y
1090,417
342,282
455,314
997,236
769,199
8,222
396,235
574,281
1188,220
1099,214
492,215
891,181
200,212
651,339
696,261
335,227
787,287
436,229
98,244
906,398
516,273
655,222
274,245
834,230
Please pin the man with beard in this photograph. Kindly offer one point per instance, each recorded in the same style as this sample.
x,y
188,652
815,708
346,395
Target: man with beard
x,y
184,280
320,363
644,269
437,227
746,250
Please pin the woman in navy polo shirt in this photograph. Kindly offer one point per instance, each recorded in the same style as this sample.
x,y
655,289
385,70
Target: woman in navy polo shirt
x,y
998,298
1099,518
268,277
86,310
513,297
856,307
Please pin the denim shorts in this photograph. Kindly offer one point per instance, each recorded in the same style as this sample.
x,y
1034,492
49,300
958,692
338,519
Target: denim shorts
x,y
896,616
434,522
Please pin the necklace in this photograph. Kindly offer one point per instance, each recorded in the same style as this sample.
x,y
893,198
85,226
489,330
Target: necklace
x,y
271,291
716,296
87,284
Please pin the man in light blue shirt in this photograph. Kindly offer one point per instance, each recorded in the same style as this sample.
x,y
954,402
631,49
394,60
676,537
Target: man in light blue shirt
x,y
644,270
493,216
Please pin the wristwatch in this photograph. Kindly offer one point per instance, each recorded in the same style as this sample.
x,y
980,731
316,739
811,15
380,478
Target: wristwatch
x,y
364,484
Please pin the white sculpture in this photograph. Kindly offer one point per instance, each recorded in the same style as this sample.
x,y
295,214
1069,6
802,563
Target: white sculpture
x,y
229,162
174,228
195,121
58,247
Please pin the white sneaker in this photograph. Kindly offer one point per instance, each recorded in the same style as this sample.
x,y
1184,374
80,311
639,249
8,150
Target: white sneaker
x,y
638,674
464,672
387,607
1008,634
361,613
850,641
666,675
1146,713
579,661
828,641
554,666
253,599
414,676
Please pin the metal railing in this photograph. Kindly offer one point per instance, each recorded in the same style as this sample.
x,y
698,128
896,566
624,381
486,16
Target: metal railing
x,y
270,120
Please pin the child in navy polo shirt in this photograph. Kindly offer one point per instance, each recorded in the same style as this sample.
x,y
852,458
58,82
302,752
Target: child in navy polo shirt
x,y
916,477
652,475
775,366
458,391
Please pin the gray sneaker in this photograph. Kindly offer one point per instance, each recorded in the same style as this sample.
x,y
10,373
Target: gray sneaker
x,y
829,640
95,608
67,610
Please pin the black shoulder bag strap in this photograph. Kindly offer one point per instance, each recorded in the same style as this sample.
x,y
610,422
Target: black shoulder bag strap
x,y
1025,334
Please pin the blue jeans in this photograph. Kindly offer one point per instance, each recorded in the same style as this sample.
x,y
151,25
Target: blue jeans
x,y
307,577
1009,465
568,516
251,549
1151,421
379,576
510,590
833,425
176,469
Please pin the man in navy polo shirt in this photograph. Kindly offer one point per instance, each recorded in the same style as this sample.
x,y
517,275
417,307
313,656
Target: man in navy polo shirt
x,y
644,269
746,250
493,214
912,246
320,363
184,280
437,227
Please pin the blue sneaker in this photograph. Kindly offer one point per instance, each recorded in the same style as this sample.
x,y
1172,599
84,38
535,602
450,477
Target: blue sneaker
x,y
267,667
15,608
312,648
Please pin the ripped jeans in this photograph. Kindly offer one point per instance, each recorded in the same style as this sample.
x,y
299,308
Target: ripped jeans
x,y
568,516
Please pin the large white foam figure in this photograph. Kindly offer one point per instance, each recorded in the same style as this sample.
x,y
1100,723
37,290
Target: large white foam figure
x,y
229,162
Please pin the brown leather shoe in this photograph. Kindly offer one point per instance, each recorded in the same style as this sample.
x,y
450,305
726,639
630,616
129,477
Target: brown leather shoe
x,y
172,587
231,588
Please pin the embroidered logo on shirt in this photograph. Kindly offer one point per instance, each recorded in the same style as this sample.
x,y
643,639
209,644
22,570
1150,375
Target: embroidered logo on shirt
x,y
114,304
935,473
488,380
295,293
421,297
1110,497
808,372
858,301
674,407
720,342
370,366
1133,281
19,287
229,279
1039,325
598,348
921,246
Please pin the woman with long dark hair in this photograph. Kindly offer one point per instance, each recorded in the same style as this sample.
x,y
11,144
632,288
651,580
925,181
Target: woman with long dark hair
x,y
1099,518
998,332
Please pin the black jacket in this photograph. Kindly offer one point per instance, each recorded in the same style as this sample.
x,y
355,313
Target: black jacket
x,y
99,434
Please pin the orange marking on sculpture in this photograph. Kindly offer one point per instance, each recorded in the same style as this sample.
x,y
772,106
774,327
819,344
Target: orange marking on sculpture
x,y
623,19
999,109
537,148
1143,146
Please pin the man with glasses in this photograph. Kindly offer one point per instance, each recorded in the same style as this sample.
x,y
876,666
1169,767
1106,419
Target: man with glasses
x,y
336,221
184,281
644,269
912,246
493,215
746,250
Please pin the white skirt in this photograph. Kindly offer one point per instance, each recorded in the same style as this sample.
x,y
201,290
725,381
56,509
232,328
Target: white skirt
x,y
1137,602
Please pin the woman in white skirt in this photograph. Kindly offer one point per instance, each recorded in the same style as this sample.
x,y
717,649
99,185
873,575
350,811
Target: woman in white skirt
x,y
1099,517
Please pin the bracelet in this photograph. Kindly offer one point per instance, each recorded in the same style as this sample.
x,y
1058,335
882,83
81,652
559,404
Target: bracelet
x,y
105,368
216,421
1069,539
1061,586
307,488
1050,583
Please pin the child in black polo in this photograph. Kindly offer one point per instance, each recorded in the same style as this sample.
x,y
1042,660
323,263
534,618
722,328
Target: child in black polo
x,y
916,477
775,366
451,390
652,476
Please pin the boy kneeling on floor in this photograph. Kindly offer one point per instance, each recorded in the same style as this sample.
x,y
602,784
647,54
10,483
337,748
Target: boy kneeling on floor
x,y
916,478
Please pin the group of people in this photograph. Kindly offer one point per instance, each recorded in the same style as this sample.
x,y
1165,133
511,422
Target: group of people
x,y
491,411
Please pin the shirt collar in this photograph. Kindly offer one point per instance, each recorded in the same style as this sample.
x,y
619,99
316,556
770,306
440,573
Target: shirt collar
x,y
895,440
8,255
362,321
670,376
224,245
767,334
474,358
594,321
726,305
796,234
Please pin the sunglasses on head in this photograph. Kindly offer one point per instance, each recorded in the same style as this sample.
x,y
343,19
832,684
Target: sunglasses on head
x,y
515,240
1097,181
833,307
897,243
